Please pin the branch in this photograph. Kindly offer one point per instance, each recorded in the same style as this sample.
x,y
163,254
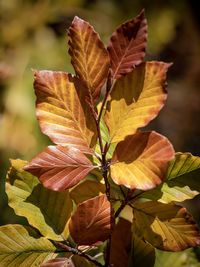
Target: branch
x,y
74,251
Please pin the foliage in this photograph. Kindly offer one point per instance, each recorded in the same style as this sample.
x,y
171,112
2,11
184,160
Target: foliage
x,y
74,192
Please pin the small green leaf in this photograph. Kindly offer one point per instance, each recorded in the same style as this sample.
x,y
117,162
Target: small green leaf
x,y
20,249
46,210
182,180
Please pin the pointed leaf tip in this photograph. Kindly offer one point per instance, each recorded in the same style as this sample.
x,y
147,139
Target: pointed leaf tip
x,y
127,45
88,56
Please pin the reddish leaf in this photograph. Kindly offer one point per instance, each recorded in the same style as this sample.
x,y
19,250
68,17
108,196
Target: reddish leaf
x,y
89,57
91,221
127,45
140,161
58,262
121,243
61,110
59,168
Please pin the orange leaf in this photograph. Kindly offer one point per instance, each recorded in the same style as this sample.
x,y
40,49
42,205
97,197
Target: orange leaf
x,y
61,110
136,99
127,45
58,262
140,161
91,221
89,56
59,168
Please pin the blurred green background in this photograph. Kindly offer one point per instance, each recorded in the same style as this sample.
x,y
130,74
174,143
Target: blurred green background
x,y
33,36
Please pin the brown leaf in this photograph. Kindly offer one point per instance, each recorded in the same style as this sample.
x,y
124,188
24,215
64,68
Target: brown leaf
x,y
58,262
59,168
136,99
127,45
121,243
61,110
89,56
166,226
91,222
141,160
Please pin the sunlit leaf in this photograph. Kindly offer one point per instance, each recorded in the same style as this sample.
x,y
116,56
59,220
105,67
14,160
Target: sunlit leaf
x,y
136,99
127,45
19,249
121,243
166,226
59,168
142,253
182,180
61,110
86,190
91,222
58,262
140,161
185,258
46,210
89,56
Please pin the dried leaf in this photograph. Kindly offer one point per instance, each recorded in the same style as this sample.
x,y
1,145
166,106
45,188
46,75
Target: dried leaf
x,y
59,168
61,110
89,56
127,45
166,226
91,222
136,99
140,161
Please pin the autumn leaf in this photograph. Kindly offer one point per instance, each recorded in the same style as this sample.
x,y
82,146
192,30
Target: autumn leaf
x,y
21,246
121,243
136,99
58,262
59,168
91,221
140,161
61,110
181,182
127,45
46,210
88,56
166,226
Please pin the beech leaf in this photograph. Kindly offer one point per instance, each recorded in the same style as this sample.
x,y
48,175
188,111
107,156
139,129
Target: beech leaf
x,y
121,243
86,190
88,56
166,226
46,210
182,180
136,99
20,249
140,161
91,221
61,110
127,45
59,168
58,262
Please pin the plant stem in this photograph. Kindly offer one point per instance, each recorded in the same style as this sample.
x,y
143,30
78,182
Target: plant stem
x,y
66,248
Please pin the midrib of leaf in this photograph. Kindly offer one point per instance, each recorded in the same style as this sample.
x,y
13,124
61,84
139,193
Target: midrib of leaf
x,y
73,118
124,56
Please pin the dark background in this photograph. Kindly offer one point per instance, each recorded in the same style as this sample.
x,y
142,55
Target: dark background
x,y
33,36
